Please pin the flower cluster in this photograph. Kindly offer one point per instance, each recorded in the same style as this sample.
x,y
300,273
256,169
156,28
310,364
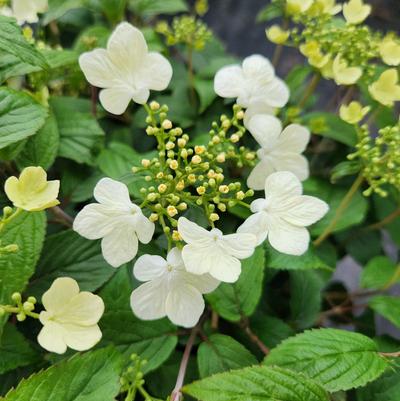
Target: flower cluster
x,y
25,10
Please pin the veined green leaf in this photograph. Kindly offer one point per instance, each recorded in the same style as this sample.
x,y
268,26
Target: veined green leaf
x,y
387,306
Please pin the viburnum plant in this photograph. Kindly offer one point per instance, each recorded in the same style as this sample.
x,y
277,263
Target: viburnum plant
x,y
177,222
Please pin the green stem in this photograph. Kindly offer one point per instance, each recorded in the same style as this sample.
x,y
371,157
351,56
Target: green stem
x,y
17,212
310,90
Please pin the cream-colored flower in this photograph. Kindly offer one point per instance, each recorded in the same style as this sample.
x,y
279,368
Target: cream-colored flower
x,y
355,11
353,113
126,69
343,74
31,191
70,317
313,52
298,6
327,7
390,51
277,35
386,90
28,10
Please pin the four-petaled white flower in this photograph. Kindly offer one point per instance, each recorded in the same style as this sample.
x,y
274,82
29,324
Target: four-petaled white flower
x,y
283,215
280,150
119,222
214,253
254,84
70,318
126,69
169,290
28,10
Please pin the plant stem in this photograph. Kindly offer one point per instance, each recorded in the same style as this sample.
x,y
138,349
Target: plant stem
x,y
340,210
94,101
62,217
387,220
390,354
253,337
310,90
191,75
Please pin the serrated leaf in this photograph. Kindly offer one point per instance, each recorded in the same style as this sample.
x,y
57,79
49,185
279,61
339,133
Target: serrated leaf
x,y
80,134
93,376
42,148
220,353
380,272
57,8
13,42
386,388
151,340
15,350
68,254
257,383
338,359
20,116
234,301
387,306
27,231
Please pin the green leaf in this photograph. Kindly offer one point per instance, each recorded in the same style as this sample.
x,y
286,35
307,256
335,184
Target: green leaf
x,y
27,231
80,134
270,12
338,359
151,340
113,9
20,116
257,383
333,127
150,8
383,208
93,376
234,301
345,169
308,260
387,306
386,388
13,42
380,272
42,148
206,92
15,350
57,8
68,254
220,353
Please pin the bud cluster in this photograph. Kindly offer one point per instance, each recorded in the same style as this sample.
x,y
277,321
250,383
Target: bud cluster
x,y
132,378
21,309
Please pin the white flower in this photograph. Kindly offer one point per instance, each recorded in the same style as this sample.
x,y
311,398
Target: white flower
x,y
169,289
126,69
70,318
283,215
27,10
212,252
254,84
119,222
280,150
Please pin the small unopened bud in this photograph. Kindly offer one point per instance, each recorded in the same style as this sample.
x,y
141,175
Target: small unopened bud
x,y
181,142
135,169
28,306
16,297
184,153
250,192
180,185
240,115
182,206
224,189
174,164
169,145
32,300
221,157
222,207
214,217
196,159
235,138
7,211
226,124
176,236
199,150
153,217
152,196
192,178
216,139
162,188
146,162
154,105
160,175
166,124
240,195
201,190
172,211
21,317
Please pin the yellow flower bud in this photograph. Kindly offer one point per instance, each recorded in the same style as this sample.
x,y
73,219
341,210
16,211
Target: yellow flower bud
x,y
162,188
182,206
276,34
223,189
174,164
166,124
180,185
169,145
146,163
240,195
181,142
298,6
154,105
199,150
201,190
172,211
235,138
353,113
196,159
153,217
176,236
214,217
191,178
222,207
221,157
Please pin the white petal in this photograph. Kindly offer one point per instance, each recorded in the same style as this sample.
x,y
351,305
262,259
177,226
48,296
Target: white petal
x,y
305,210
112,192
81,338
192,232
148,300
156,72
281,185
229,81
294,138
184,306
127,47
286,237
258,205
174,258
116,100
205,283
95,221
149,267
259,68
256,108
144,227
265,130
141,95
275,93
59,294
198,259
292,162
51,338
239,245
84,309
256,224
257,176
226,268
120,245
98,68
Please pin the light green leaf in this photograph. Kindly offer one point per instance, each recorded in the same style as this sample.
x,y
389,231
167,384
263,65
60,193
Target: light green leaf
x,y
15,350
42,148
234,301
220,353
113,9
27,231
20,116
257,383
206,92
13,42
150,8
270,12
345,169
338,359
308,260
380,272
80,134
93,376
387,306
57,8
151,340
68,254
